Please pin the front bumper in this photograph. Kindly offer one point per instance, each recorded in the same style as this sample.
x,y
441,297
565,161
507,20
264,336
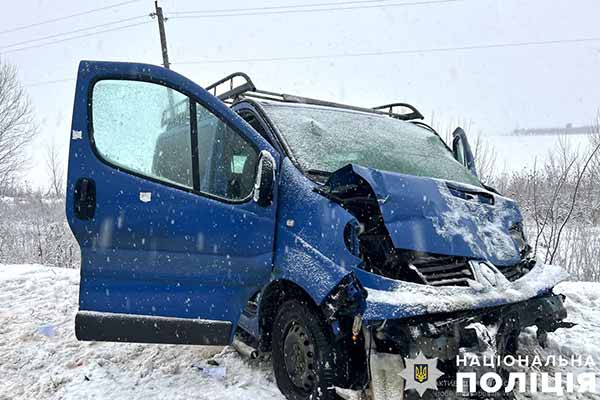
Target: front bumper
x,y
390,299
393,343
443,335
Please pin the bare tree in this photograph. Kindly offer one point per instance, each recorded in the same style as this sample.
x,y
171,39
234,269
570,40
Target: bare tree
x,y
55,170
560,200
580,176
485,159
594,175
16,124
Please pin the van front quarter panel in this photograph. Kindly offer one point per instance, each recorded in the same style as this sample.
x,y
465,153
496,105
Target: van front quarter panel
x,y
309,248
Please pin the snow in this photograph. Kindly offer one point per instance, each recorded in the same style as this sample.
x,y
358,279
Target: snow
x,y
583,307
421,299
41,359
487,234
328,139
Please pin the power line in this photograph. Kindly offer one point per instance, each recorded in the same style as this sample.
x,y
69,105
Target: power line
x,y
43,83
191,15
71,32
75,37
226,10
366,54
394,52
48,21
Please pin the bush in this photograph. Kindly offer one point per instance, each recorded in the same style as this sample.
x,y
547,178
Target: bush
x,y
33,229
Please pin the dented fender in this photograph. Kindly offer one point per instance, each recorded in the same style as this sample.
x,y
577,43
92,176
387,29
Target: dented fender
x,y
309,245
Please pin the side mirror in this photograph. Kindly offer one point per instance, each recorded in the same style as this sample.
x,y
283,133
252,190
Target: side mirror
x,y
462,150
265,179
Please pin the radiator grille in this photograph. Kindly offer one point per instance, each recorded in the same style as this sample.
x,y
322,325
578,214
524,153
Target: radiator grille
x,y
513,272
443,271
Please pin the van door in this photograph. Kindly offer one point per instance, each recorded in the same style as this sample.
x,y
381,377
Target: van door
x,y
160,198
462,150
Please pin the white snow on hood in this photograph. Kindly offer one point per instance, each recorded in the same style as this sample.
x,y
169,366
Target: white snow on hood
x,y
418,299
488,224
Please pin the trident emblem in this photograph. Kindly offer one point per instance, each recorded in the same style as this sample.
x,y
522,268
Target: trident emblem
x,y
421,373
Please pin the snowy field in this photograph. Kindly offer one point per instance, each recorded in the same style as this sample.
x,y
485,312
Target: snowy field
x,y
518,152
41,359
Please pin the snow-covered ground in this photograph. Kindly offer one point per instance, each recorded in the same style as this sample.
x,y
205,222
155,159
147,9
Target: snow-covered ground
x,y
41,359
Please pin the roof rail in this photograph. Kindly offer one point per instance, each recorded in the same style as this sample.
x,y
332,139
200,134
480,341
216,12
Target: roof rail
x,y
233,93
414,114
176,114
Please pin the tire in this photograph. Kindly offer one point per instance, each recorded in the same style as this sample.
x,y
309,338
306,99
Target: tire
x,y
303,354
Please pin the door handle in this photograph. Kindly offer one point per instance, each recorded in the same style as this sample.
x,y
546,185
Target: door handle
x,y
84,199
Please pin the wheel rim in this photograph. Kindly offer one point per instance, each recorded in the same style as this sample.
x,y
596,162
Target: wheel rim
x,y
299,358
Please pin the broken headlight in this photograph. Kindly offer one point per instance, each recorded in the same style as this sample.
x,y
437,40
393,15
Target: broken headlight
x,y
517,233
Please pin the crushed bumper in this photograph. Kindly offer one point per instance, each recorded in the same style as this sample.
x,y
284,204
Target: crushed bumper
x,y
390,299
442,336
446,336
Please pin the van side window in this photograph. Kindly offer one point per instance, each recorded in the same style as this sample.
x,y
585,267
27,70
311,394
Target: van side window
x,y
145,128
251,119
227,162
130,130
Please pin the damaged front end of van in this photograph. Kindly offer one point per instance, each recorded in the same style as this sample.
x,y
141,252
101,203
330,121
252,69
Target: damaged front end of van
x,y
437,268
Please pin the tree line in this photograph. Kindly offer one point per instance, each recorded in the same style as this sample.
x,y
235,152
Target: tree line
x,y
559,196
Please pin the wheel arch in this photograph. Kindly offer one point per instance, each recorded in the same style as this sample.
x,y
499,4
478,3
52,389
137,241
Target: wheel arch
x,y
275,294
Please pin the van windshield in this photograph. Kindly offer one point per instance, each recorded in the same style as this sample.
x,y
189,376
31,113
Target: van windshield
x,y
327,139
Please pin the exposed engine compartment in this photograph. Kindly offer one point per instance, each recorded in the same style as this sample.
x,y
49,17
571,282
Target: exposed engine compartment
x,y
367,237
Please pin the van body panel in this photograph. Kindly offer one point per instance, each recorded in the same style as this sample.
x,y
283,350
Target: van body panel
x,y
309,249
435,216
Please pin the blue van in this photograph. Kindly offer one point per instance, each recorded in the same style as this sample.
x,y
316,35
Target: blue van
x,y
342,240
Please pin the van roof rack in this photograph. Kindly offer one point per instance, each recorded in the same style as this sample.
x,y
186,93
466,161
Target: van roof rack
x,y
230,89
232,92
414,114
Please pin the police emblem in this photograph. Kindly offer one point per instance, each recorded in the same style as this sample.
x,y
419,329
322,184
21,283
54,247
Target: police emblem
x,y
421,372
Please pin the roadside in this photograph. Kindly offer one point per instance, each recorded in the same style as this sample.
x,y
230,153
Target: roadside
x,y
41,359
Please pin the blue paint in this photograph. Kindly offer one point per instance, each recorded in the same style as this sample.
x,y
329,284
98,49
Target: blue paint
x,y
412,205
310,252
187,255
181,254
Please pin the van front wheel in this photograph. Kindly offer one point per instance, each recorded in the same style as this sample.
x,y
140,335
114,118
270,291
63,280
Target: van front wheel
x,y
303,359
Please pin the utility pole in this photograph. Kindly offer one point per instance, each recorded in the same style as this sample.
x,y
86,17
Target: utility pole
x,y
163,37
165,54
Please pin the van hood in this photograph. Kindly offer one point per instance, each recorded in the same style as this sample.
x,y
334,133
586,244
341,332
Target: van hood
x,y
439,217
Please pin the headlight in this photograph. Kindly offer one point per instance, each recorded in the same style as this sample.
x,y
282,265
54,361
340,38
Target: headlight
x,y
517,232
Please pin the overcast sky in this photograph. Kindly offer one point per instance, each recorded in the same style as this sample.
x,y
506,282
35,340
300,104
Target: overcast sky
x,y
497,89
